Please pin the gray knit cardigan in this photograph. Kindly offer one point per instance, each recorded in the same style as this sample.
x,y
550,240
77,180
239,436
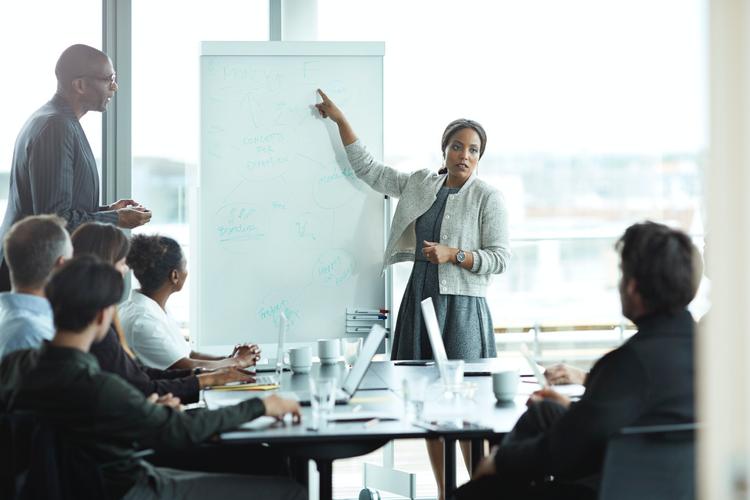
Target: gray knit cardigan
x,y
475,220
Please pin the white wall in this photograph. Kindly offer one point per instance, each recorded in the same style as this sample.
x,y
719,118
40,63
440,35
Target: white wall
x,y
724,346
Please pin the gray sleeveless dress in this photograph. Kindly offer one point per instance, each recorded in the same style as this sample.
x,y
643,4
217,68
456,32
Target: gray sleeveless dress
x,y
465,321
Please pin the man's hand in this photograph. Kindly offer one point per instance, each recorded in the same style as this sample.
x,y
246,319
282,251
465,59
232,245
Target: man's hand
x,y
548,394
224,376
487,466
561,374
278,407
123,204
130,217
437,253
166,400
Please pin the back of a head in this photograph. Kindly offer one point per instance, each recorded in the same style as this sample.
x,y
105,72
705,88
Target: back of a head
x,y
152,258
80,289
664,263
105,241
32,248
76,61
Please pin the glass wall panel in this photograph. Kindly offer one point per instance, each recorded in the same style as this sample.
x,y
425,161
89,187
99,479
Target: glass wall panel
x,y
166,104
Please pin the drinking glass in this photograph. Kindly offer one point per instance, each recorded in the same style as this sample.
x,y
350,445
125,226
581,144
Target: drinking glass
x,y
351,350
322,400
414,390
453,375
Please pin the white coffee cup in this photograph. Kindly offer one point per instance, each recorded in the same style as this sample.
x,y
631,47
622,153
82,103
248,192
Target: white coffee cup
x,y
505,384
300,359
329,350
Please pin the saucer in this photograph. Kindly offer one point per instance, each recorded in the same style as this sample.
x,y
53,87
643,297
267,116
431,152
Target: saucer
x,y
505,397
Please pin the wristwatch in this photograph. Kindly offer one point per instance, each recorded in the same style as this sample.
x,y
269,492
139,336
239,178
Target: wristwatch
x,y
460,257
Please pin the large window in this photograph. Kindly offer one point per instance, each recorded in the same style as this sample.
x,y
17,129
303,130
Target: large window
x,y
33,34
595,112
166,103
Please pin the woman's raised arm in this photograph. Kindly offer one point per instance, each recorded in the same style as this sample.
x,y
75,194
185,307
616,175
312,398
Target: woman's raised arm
x,y
328,109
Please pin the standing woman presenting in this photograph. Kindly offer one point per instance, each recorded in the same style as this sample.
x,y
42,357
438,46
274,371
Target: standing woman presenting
x,y
454,227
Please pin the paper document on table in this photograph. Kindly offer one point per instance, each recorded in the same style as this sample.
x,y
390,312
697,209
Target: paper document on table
x,y
360,416
259,423
370,399
246,387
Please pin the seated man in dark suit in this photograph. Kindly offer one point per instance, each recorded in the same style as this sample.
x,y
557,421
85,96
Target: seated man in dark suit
x,y
558,444
106,417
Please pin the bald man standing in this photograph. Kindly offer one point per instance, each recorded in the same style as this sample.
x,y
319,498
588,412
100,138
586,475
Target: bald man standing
x,y
54,170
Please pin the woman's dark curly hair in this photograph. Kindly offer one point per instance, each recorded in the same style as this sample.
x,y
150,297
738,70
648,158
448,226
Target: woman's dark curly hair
x,y
152,258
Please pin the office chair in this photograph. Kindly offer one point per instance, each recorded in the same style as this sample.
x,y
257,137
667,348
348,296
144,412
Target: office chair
x,y
650,463
38,463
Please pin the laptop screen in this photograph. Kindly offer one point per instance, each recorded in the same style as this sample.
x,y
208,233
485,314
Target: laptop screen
x,y
370,347
433,331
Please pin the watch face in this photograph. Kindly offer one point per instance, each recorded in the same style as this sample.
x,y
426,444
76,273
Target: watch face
x,y
460,256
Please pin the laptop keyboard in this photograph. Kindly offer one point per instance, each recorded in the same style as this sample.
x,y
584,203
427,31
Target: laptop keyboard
x,y
265,379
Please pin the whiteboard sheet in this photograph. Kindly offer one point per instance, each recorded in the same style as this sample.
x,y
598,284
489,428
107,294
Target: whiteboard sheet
x,y
282,222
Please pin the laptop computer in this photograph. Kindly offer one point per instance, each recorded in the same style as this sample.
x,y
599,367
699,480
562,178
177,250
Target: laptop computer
x,y
436,342
357,373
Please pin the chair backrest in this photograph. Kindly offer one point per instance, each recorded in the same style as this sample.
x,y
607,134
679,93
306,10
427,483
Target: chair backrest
x,y
39,463
650,463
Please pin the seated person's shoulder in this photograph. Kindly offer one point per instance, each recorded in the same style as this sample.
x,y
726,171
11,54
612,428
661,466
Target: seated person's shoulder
x,y
22,359
21,334
114,391
619,368
134,315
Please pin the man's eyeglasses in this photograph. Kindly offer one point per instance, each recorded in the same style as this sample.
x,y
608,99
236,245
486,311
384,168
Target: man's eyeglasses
x,y
111,79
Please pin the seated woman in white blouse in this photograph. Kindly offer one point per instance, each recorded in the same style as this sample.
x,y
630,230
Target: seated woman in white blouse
x,y
160,267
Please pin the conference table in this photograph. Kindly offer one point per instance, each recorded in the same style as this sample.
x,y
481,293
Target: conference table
x,y
379,394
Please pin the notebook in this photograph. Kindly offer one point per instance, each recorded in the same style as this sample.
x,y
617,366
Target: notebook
x,y
538,375
265,382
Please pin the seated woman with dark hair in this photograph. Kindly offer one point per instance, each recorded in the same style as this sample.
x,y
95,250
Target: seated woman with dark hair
x,y
160,267
111,245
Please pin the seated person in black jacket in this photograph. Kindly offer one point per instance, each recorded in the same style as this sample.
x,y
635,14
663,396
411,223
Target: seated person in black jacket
x,y
112,245
113,354
646,381
105,417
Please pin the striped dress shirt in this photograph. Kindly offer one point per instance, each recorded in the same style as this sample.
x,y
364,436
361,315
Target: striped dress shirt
x,y
54,170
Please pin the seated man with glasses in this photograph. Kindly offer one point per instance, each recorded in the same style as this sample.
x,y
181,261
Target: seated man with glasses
x,y
54,170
